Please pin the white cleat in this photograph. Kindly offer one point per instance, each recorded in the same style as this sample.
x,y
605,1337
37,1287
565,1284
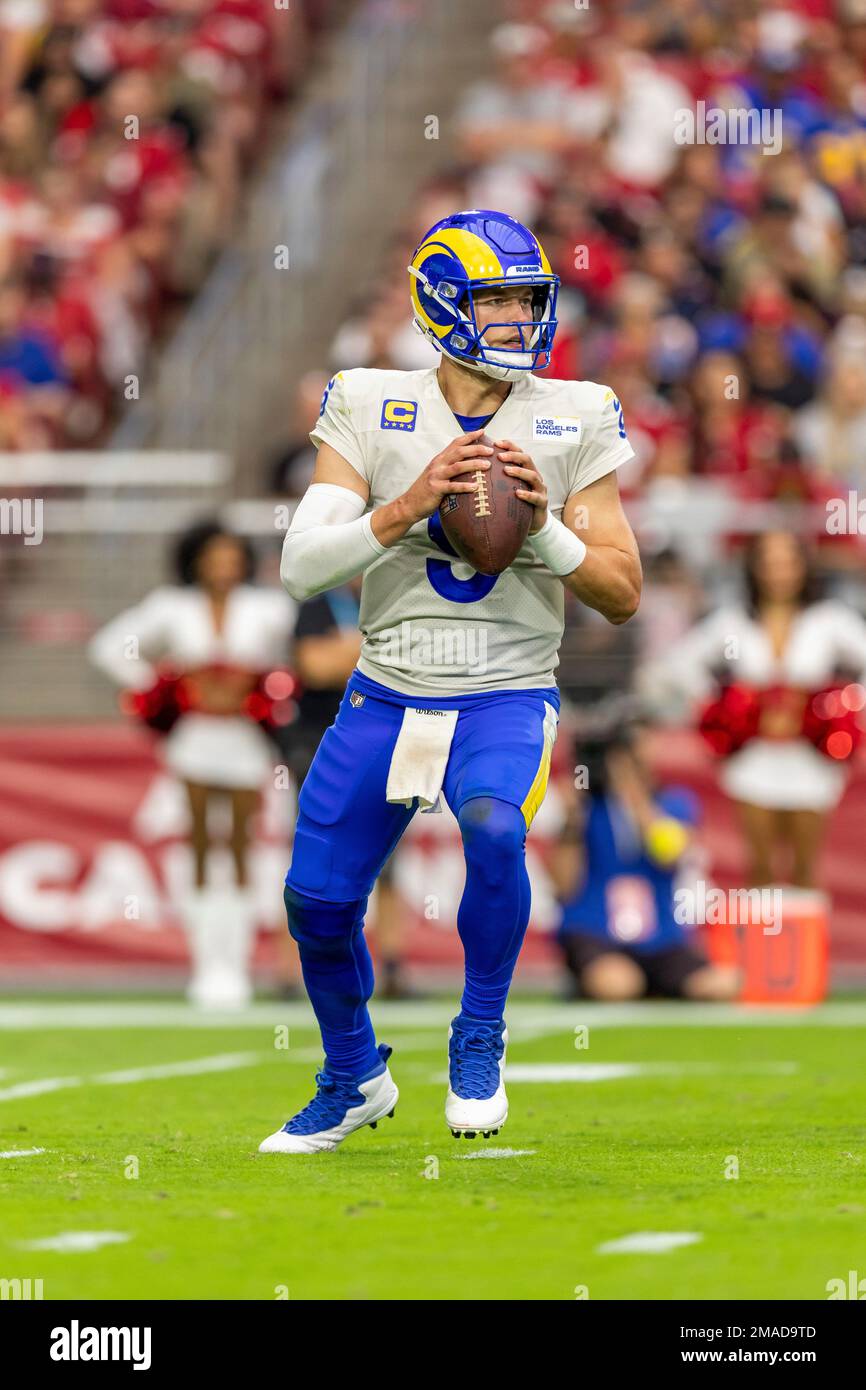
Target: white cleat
x,y
476,1102
338,1109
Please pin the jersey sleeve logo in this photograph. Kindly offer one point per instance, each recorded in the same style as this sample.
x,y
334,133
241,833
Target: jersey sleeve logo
x,y
399,415
611,397
328,389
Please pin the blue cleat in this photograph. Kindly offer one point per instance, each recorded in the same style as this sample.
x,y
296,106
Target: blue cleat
x,y
340,1106
476,1102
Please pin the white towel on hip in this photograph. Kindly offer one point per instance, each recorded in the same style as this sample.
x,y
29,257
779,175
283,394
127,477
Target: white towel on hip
x,y
420,757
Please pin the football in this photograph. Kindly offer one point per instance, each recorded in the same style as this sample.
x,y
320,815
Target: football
x,y
487,527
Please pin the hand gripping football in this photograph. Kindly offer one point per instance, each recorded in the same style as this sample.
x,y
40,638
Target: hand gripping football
x,y
487,527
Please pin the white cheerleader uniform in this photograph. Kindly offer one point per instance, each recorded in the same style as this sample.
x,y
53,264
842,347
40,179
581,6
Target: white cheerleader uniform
x,y
175,624
787,774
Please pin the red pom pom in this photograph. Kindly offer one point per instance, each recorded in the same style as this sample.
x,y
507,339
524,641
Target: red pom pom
x,y
162,705
831,721
730,719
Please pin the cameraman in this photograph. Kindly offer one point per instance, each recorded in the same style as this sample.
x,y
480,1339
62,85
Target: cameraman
x,y
615,871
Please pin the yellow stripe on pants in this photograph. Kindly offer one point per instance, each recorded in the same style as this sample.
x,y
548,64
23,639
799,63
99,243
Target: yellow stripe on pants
x,y
536,792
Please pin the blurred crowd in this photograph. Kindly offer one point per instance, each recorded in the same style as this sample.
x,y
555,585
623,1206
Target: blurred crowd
x,y
719,288
125,129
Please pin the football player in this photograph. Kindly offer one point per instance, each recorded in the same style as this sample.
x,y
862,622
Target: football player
x,y
454,690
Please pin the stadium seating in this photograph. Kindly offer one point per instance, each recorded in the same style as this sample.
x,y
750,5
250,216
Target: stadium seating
x,y
127,128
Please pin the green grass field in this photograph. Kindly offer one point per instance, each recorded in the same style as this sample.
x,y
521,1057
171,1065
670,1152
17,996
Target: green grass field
x,y
668,1099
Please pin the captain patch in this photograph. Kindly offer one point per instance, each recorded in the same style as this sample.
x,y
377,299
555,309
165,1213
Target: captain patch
x,y
399,415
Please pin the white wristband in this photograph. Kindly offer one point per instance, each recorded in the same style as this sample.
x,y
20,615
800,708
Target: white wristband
x,y
560,549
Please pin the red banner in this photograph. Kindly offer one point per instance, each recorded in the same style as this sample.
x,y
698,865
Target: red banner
x,y
94,859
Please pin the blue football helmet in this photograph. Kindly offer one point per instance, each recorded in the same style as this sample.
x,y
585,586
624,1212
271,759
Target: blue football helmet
x,y
477,250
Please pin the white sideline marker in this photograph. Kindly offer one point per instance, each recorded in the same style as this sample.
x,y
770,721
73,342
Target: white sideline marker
x,y
649,1243
75,1242
19,1153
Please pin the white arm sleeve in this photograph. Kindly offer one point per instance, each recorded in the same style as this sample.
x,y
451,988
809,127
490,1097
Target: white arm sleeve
x,y
328,542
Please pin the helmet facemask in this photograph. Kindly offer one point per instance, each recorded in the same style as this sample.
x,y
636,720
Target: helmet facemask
x,y
468,344
535,336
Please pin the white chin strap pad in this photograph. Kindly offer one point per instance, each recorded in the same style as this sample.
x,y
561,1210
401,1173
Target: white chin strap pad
x,y
510,359
492,369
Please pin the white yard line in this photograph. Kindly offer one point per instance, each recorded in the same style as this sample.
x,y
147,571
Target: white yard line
x,y
75,1242
612,1071
198,1066
39,1087
498,1153
19,1153
619,1071
649,1243
537,1019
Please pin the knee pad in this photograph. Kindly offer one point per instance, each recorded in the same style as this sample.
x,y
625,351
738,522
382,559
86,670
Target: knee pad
x,y
491,829
323,926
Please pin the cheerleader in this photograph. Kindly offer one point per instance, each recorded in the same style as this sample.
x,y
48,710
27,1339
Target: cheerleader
x,y
220,634
782,645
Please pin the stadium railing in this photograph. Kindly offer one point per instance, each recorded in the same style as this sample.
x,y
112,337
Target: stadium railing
x,y
85,534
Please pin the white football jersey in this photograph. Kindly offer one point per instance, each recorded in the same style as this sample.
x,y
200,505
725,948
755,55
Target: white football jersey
x,y
431,624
